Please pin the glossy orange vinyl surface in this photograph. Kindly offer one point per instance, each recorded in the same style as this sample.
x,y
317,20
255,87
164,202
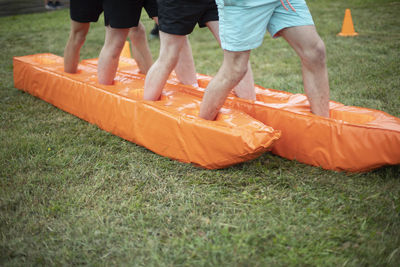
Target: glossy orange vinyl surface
x,y
352,139
169,127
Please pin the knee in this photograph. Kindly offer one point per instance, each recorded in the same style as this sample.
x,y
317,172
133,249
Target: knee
x,y
136,33
169,55
116,49
169,60
239,71
315,54
236,68
141,29
78,37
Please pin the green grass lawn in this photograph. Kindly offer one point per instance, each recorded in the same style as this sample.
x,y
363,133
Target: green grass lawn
x,y
72,194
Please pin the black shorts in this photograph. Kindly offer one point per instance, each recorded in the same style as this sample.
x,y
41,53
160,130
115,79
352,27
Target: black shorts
x,y
181,16
117,13
151,8
85,11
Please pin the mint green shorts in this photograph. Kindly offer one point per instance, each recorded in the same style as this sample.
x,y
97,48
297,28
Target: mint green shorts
x,y
242,23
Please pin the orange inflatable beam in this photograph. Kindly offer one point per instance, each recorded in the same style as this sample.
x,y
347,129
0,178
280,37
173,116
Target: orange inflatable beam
x,y
353,139
169,127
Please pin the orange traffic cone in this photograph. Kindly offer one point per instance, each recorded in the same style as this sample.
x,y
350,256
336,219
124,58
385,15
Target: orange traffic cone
x,y
347,28
126,51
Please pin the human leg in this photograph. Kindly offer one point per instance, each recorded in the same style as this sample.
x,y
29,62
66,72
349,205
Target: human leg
x,y
297,28
119,17
242,26
170,45
185,69
245,88
109,55
82,13
311,50
178,18
140,48
76,40
233,68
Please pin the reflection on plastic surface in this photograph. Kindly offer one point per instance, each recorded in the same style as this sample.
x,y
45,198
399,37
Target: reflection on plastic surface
x,y
169,127
352,139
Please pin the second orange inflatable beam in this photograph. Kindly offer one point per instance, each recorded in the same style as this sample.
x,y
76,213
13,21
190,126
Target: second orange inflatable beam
x,y
353,138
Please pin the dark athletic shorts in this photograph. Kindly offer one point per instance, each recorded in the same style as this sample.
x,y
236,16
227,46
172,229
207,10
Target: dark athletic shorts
x,y
117,13
181,16
151,8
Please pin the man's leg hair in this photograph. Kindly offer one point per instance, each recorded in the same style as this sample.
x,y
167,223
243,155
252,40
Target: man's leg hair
x,y
245,88
170,46
75,42
311,50
110,53
140,48
233,68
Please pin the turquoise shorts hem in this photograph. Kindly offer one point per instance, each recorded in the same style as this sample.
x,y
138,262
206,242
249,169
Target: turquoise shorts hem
x,y
243,23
